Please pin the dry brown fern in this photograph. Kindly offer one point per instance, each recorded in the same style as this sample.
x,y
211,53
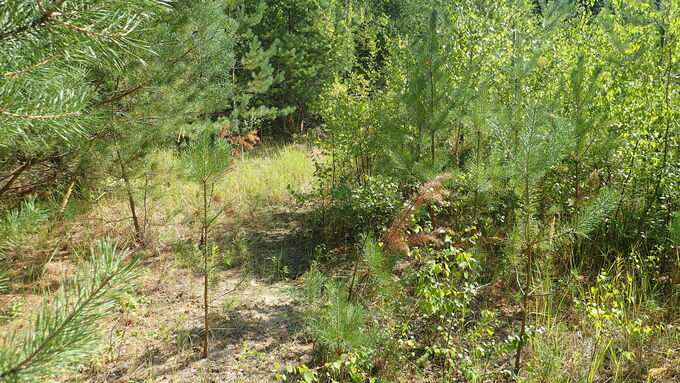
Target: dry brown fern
x,y
396,237
424,238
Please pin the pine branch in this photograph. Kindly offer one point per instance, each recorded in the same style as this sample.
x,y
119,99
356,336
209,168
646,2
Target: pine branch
x,y
122,95
29,68
116,35
432,191
15,175
46,343
64,332
40,117
585,221
52,16
33,23
595,213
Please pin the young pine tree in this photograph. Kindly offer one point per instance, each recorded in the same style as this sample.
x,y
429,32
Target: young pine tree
x,y
49,97
205,162
532,137
211,69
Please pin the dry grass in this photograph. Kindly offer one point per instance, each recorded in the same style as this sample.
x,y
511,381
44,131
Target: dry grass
x,y
263,179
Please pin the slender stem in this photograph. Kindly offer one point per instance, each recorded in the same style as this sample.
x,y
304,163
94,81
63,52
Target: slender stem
x,y
433,128
39,116
525,312
527,283
122,95
356,268
28,68
204,240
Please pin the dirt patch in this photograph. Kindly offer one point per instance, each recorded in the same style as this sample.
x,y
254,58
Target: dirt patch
x,y
157,338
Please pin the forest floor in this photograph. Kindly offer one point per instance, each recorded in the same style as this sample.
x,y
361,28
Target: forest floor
x,y
256,317
157,334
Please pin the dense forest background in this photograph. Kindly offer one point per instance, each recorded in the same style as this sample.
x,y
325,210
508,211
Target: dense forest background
x,y
340,190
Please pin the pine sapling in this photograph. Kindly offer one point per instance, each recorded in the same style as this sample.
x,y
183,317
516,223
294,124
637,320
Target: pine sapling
x,y
205,162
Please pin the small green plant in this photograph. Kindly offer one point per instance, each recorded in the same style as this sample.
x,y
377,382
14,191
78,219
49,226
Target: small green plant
x,y
192,256
246,353
304,373
620,326
12,310
277,269
229,305
446,285
14,223
354,367
339,325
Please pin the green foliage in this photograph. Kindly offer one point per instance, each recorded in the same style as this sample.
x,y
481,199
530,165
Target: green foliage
x,y
446,282
674,229
622,328
13,224
16,222
338,324
555,118
48,47
54,54
378,269
206,160
189,255
65,329
553,123
316,43
219,76
366,206
595,212
268,177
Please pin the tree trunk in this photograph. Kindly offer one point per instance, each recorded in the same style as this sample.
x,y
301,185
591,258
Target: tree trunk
x,y
525,313
15,175
135,220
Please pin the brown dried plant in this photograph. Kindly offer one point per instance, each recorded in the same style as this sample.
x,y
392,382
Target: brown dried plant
x,y
397,237
243,143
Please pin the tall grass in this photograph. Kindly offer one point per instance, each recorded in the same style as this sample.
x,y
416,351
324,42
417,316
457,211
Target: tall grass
x,y
262,179
256,181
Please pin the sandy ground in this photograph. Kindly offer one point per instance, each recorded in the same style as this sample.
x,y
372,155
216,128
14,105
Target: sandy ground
x,y
158,336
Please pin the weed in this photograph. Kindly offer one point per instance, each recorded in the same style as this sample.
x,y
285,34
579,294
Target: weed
x,y
229,305
12,310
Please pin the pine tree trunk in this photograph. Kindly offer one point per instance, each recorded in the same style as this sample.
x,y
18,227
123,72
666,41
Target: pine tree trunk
x,y
525,313
527,284
131,199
